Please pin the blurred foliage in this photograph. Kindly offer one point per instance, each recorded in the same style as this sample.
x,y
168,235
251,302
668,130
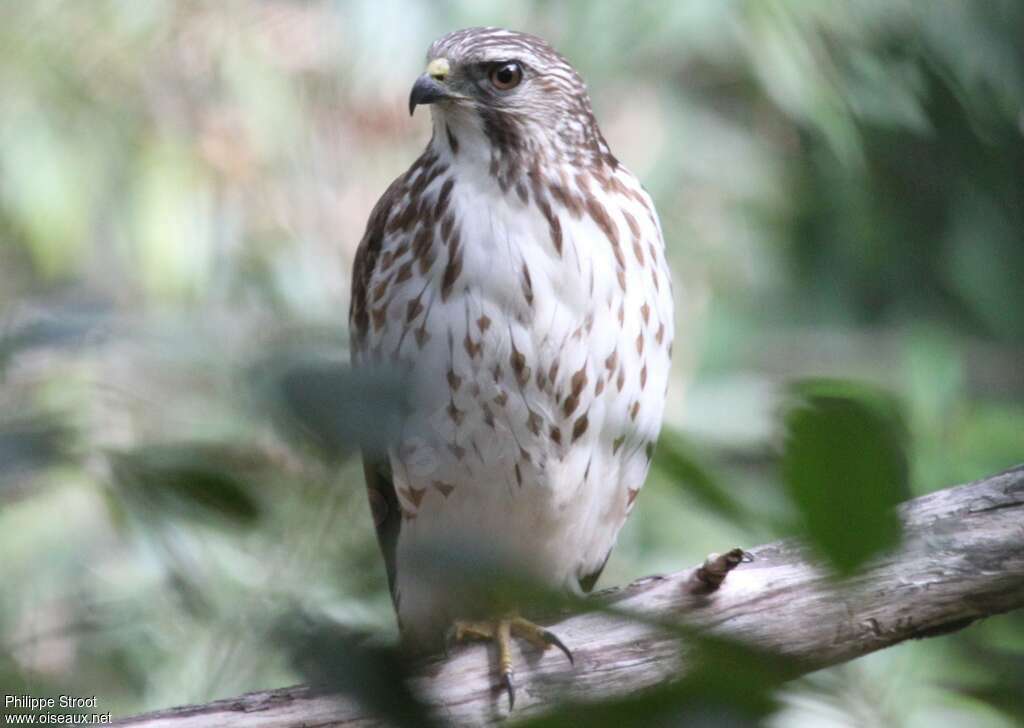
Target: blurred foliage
x,y
679,461
845,469
333,658
182,187
192,480
734,687
30,444
328,408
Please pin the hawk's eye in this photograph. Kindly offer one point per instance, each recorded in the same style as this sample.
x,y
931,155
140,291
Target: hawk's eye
x,y
506,75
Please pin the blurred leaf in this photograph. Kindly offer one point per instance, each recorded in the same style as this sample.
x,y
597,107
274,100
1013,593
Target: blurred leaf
x,y
845,468
728,685
193,480
68,320
934,376
485,580
330,406
337,659
30,444
929,226
993,658
680,463
1006,697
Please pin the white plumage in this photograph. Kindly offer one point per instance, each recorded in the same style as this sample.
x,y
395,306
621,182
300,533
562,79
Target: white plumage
x,y
523,285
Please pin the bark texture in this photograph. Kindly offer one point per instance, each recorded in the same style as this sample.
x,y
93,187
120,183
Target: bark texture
x,y
962,559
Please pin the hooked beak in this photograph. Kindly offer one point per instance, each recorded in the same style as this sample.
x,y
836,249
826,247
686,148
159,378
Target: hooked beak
x,y
427,90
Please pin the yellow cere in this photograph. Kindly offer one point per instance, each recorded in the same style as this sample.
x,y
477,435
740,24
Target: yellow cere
x,y
438,68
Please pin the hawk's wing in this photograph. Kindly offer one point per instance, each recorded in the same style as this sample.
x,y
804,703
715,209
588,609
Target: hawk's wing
x,y
380,488
587,582
387,514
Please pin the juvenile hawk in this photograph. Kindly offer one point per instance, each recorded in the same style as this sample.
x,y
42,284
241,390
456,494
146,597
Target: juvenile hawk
x,y
517,273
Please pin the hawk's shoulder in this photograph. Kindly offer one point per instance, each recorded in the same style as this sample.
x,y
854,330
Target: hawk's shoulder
x,y
394,218
366,260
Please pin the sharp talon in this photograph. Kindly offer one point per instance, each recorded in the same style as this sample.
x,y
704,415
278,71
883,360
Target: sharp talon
x,y
506,680
502,632
552,639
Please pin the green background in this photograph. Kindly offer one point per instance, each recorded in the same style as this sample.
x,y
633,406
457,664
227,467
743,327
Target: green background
x,y
182,189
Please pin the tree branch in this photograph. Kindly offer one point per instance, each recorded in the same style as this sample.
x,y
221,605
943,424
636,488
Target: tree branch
x,y
962,558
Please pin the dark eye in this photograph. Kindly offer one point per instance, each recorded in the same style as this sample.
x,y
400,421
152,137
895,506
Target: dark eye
x,y
506,75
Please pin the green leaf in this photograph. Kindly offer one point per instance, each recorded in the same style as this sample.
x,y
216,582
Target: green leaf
x,y
65,321
845,468
728,684
338,660
319,402
30,444
192,480
677,460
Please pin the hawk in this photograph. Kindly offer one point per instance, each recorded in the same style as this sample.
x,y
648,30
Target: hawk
x,y
517,274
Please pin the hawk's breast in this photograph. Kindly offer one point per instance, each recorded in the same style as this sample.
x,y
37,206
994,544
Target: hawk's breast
x,y
536,323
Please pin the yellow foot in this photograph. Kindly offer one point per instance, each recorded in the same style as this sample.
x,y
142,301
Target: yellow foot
x,y
501,631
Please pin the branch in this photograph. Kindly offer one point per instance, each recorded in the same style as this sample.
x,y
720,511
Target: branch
x,y
962,559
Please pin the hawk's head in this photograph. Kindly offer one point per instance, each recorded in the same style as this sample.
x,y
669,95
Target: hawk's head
x,y
508,93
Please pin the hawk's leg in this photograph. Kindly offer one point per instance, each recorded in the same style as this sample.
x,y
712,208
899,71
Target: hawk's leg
x,y
501,632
